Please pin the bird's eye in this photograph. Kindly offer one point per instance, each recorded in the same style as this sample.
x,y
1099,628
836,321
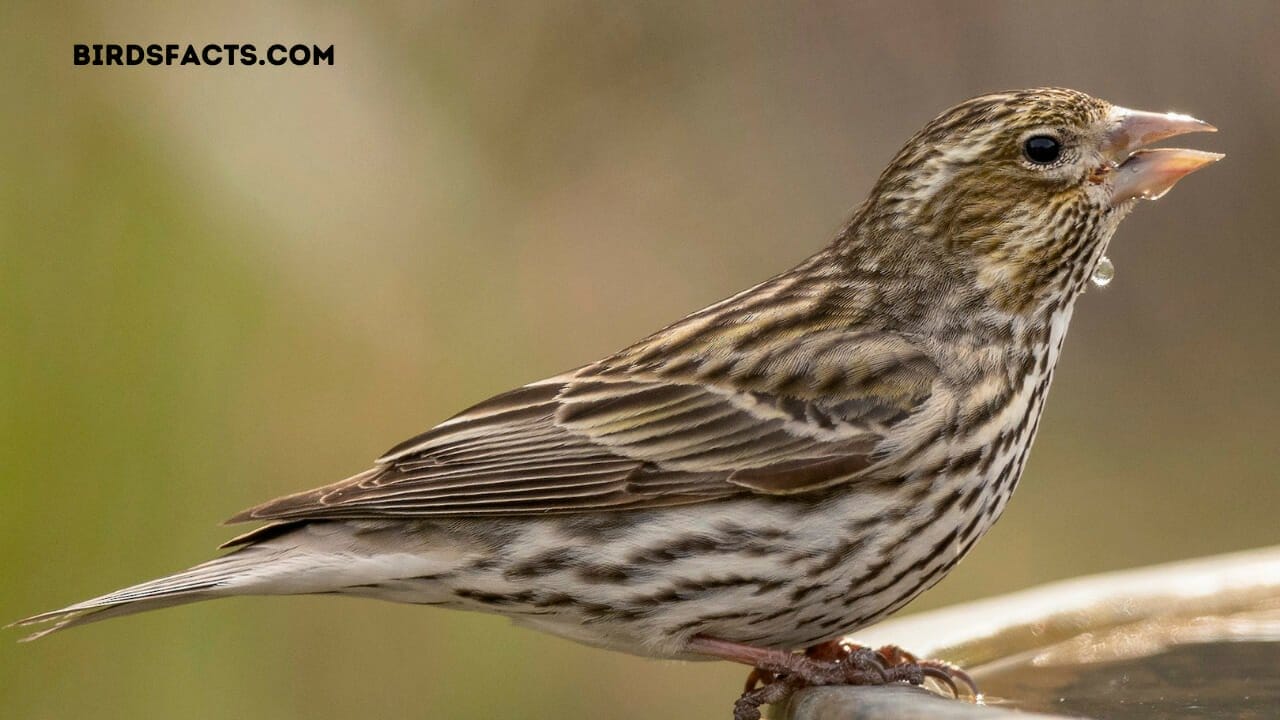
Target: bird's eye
x,y
1042,149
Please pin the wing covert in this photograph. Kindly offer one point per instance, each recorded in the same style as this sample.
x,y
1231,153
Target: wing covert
x,y
623,435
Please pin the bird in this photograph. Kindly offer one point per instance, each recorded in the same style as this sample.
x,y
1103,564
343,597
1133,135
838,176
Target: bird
x,y
769,473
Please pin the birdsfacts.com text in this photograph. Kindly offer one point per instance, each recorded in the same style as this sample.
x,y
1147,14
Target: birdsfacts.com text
x,y
131,54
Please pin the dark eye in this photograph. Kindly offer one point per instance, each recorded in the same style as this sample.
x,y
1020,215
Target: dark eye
x,y
1042,149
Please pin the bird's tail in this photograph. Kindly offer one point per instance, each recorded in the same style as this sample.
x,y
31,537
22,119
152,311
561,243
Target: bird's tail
x,y
367,559
236,573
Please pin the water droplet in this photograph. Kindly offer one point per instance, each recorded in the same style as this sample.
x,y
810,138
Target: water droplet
x,y
1104,272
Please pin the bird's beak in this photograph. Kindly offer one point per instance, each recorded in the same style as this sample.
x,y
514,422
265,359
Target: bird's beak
x,y
1150,173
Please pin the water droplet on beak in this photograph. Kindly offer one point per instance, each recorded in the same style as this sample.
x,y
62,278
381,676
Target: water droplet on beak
x,y
1104,272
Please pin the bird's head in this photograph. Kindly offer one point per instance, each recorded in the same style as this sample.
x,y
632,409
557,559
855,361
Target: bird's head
x,y
1022,190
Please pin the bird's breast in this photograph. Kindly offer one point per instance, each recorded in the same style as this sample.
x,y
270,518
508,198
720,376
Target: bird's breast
x,y
998,425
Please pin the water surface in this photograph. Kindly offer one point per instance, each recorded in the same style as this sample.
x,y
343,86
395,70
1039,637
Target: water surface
x,y
1220,680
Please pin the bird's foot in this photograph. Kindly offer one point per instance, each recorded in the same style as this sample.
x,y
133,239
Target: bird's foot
x,y
948,675
776,674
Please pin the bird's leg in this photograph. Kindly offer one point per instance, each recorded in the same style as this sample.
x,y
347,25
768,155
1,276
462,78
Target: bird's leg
x,y
831,654
776,674
765,660
747,706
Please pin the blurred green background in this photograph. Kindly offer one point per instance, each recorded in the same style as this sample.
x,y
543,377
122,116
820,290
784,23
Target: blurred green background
x,y
222,284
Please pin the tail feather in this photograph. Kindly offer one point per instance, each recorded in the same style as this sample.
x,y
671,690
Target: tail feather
x,y
223,576
64,619
283,559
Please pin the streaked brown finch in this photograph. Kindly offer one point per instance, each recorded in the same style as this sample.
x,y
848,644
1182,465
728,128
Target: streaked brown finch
x,y
773,471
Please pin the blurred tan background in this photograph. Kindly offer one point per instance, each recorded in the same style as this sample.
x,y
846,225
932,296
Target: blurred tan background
x,y
221,284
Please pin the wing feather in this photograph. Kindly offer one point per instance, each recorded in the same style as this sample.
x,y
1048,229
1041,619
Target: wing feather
x,y
610,437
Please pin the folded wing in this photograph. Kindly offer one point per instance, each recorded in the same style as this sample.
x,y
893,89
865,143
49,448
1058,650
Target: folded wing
x,y
611,437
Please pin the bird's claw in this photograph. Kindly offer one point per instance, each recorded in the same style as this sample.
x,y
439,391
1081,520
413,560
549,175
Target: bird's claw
x,y
840,663
949,675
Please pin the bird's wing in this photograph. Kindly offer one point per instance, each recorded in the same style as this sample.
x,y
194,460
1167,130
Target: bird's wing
x,y
803,416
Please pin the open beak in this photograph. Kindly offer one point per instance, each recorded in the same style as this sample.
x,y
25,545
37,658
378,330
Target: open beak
x,y
1150,174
